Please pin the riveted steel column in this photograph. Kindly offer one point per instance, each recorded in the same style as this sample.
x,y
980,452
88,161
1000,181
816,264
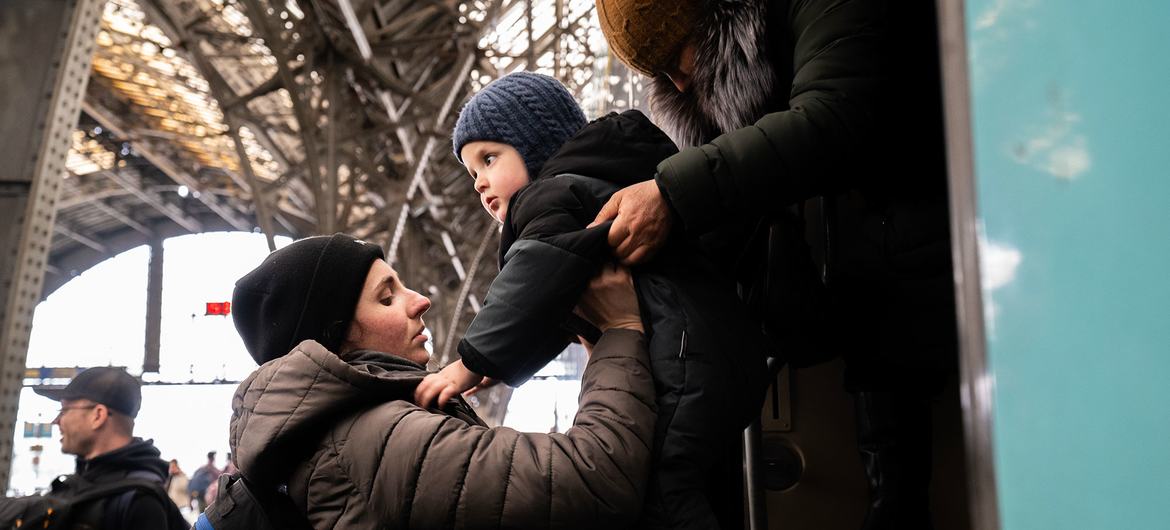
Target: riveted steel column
x,y
154,283
46,47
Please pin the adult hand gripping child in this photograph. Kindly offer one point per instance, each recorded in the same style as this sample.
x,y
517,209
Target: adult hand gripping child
x,y
608,302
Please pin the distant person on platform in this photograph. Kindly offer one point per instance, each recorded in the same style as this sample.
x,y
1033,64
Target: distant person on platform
x,y
202,480
176,486
97,425
213,489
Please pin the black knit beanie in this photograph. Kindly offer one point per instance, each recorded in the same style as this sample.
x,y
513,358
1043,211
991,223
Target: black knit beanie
x,y
306,290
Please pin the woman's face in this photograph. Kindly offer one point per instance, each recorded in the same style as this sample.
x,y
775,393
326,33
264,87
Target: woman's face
x,y
388,317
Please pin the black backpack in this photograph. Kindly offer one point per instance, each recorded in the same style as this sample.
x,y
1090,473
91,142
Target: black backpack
x,y
78,504
242,504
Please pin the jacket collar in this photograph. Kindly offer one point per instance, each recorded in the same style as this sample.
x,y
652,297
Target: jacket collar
x,y
139,454
622,149
734,79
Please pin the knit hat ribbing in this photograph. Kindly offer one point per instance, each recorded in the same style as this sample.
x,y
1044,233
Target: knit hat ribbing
x,y
647,34
306,290
533,113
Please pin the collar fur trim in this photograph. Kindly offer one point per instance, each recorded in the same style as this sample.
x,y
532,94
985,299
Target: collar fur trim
x,y
733,79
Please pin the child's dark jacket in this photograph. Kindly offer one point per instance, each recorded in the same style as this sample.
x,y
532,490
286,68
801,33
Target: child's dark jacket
x,y
547,258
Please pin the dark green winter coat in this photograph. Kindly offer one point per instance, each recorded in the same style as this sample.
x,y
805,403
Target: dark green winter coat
x,y
829,109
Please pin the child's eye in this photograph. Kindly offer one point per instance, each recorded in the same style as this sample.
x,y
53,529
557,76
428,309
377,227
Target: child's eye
x,y
488,159
387,301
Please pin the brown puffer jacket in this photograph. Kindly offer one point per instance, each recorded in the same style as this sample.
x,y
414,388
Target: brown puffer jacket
x,y
359,454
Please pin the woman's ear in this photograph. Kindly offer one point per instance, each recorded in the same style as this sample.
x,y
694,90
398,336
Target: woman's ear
x,y
350,335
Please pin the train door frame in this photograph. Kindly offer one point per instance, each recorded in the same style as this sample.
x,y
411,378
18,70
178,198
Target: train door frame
x,y
975,379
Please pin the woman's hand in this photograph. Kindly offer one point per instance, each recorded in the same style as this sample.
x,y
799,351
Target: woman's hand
x,y
447,383
609,302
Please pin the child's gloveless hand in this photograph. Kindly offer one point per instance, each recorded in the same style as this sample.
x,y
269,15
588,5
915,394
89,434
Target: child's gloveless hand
x,y
449,382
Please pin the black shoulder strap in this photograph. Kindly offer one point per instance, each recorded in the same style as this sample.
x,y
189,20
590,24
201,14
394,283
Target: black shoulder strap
x,y
115,516
97,493
118,486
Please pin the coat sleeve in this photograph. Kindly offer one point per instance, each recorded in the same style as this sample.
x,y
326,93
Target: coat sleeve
x,y
519,329
799,153
591,476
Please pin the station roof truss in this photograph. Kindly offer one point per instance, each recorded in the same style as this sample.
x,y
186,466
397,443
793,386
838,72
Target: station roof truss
x,y
302,117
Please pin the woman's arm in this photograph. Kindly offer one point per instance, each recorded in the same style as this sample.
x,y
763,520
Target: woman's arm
x,y
591,476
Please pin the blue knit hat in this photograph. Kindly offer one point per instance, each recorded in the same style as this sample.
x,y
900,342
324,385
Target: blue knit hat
x,y
533,113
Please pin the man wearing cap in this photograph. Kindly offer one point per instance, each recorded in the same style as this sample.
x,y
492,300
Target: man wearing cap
x,y
96,420
810,125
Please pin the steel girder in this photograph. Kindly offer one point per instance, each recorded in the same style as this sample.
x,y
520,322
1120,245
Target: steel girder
x,y
304,117
49,44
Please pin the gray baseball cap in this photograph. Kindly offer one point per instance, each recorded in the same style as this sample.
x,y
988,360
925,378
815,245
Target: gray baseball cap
x,y
112,387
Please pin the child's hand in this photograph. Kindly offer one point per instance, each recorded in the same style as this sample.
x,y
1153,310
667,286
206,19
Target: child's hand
x,y
445,385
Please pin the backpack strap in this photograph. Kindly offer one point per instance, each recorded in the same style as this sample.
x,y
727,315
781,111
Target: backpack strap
x,y
94,492
115,517
108,489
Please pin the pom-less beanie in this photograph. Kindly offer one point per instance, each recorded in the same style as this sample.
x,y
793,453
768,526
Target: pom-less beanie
x,y
647,34
533,113
306,290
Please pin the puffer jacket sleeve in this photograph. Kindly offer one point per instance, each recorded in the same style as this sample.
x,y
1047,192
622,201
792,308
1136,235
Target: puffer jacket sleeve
x,y
519,329
591,476
799,153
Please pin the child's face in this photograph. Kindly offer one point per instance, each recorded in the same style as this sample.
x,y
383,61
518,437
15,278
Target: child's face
x,y
498,170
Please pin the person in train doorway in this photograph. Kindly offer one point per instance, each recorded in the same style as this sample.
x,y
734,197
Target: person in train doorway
x,y
811,138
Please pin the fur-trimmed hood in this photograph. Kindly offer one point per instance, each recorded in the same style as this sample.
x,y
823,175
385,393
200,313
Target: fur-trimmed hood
x,y
734,79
